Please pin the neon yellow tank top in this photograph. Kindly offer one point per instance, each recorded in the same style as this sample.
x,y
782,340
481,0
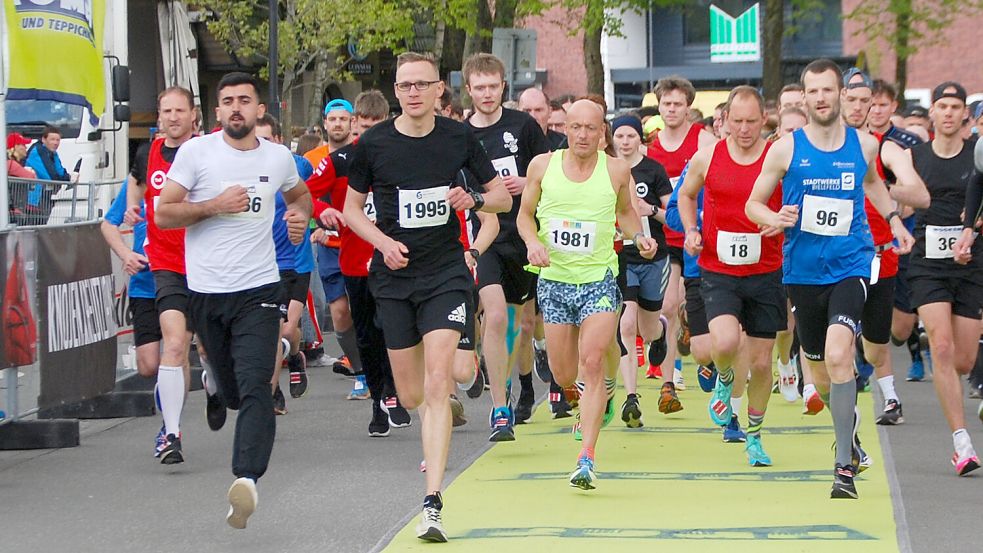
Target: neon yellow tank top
x,y
576,223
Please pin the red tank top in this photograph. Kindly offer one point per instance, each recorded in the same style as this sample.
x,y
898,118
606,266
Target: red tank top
x,y
674,162
164,248
880,230
354,254
732,244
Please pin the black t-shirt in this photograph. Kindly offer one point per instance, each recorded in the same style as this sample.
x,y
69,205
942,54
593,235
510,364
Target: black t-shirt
x,y
138,169
408,178
558,141
946,180
511,143
651,183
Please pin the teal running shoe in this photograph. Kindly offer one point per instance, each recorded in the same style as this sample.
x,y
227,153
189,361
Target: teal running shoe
x,y
756,455
584,476
719,408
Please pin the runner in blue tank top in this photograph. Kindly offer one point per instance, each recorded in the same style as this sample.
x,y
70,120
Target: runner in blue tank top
x,y
828,248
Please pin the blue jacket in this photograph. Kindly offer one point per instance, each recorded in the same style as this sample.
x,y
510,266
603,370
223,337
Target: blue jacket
x,y
690,267
46,163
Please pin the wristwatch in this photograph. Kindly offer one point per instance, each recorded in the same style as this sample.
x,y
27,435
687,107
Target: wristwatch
x,y
474,253
891,215
479,200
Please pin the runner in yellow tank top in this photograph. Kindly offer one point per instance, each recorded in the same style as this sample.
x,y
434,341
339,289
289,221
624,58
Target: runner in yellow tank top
x,y
577,195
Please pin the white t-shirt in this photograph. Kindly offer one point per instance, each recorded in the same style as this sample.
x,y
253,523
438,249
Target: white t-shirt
x,y
231,253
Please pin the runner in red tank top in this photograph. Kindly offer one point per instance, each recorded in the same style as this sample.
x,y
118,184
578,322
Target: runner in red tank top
x,y
742,282
165,251
673,148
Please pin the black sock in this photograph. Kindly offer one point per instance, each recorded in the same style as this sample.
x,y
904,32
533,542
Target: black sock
x,y
526,381
914,346
434,500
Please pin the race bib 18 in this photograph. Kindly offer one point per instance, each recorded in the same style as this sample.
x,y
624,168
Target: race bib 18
x,y
738,248
572,236
826,216
940,242
423,208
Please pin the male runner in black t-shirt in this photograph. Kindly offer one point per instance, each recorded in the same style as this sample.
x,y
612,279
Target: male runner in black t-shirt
x,y
511,139
418,273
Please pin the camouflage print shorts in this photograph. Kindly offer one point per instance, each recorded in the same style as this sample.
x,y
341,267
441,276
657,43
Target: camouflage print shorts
x,y
571,304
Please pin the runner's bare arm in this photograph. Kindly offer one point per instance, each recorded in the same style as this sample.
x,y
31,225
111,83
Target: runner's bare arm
x,y
487,232
876,192
497,198
909,188
526,218
626,212
132,261
773,169
174,212
298,214
134,193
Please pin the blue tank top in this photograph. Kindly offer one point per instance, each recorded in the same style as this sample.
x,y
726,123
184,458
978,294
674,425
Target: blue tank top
x,y
831,240
290,256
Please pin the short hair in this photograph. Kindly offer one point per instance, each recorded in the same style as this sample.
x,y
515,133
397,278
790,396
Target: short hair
x,y
268,120
791,87
413,57
482,63
371,104
820,66
237,78
556,105
457,108
883,87
188,95
793,111
307,142
647,111
675,82
721,106
50,129
446,97
745,91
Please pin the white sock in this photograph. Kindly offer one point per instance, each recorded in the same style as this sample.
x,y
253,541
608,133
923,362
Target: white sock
x,y
539,344
887,387
785,369
807,391
735,403
961,442
170,390
207,378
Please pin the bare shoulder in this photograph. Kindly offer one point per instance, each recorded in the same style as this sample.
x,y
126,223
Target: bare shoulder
x,y
538,164
617,167
706,138
869,144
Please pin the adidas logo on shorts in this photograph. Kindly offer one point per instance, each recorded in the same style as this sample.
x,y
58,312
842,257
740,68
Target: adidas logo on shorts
x,y
458,315
603,303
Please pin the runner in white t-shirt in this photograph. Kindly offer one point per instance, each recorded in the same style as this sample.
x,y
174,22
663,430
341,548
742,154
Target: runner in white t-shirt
x,y
222,187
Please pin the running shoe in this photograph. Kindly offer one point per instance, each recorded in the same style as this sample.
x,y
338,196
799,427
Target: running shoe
x,y
654,372
756,455
892,414
719,406
668,400
916,373
160,442
360,390
457,412
379,425
583,477
501,425
398,416
733,433
631,414
484,371
541,362
788,381
966,463
171,454
343,367
279,402
707,377
430,528
658,348
572,395
322,360
215,411
477,385
843,486
975,390
979,411
683,335
559,407
242,502
858,456
812,404
523,409
423,465
578,431
677,380
608,413
297,364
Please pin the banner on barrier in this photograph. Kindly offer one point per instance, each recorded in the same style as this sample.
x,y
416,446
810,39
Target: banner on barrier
x,y
18,346
75,291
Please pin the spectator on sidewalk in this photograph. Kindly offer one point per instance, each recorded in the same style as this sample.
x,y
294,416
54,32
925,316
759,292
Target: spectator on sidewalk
x,y
43,158
16,154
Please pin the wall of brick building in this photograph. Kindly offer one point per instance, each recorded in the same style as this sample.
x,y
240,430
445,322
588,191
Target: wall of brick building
x,y
559,53
956,58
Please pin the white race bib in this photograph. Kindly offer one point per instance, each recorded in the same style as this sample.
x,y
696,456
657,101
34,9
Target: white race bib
x,y
369,207
257,206
506,166
940,242
646,227
572,236
826,216
875,269
424,208
738,248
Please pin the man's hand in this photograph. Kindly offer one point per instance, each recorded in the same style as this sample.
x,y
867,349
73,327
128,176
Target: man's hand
x,y
470,260
133,262
963,249
459,199
332,218
786,217
646,246
537,255
132,215
394,254
694,242
901,234
515,185
296,225
233,199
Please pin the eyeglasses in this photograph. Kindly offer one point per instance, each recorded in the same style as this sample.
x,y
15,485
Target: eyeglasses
x,y
420,85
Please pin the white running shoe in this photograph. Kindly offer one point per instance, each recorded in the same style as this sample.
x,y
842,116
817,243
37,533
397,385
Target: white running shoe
x,y
677,380
242,502
788,381
430,528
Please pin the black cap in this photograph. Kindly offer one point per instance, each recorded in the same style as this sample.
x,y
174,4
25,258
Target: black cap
x,y
915,111
943,91
865,81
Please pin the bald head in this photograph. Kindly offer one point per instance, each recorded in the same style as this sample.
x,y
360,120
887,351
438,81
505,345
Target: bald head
x,y
535,102
585,127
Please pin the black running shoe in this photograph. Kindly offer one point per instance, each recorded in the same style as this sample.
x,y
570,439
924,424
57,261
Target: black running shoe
x,y
659,348
523,410
398,416
171,453
843,486
379,425
559,406
215,412
892,413
484,371
298,375
279,402
478,386
542,363
631,414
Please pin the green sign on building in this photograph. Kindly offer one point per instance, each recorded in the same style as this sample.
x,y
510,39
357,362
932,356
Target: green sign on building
x,y
734,39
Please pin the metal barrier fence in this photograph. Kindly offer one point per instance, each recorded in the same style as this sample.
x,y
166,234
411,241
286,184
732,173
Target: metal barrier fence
x,y
37,202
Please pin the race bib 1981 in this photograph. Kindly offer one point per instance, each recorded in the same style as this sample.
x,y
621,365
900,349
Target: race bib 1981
x,y
826,216
940,242
738,248
572,236
423,208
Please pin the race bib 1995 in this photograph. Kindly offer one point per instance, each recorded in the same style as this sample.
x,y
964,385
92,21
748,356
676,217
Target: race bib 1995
x,y
826,216
572,236
738,248
940,242
423,208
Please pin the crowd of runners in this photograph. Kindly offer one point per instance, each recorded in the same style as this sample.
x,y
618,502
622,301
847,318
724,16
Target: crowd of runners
x,y
458,251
